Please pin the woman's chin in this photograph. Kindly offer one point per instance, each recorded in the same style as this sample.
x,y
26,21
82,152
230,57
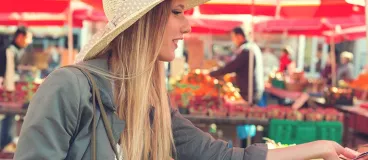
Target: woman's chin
x,y
167,57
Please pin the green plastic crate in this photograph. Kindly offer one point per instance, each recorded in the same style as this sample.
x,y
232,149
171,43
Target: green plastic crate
x,y
278,84
330,131
298,132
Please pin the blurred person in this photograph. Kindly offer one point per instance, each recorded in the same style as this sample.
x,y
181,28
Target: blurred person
x,y
14,52
326,73
345,71
54,60
285,59
319,61
270,61
240,66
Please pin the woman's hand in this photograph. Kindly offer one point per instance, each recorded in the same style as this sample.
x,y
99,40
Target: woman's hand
x,y
332,151
327,150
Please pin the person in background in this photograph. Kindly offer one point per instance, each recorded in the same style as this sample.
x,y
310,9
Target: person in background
x,y
345,71
240,65
54,60
326,73
319,61
14,52
270,61
285,59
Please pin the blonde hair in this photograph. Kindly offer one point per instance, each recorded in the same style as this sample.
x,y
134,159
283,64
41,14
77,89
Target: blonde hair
x,y
139,87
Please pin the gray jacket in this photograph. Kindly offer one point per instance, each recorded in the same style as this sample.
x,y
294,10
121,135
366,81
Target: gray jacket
x,y
59,119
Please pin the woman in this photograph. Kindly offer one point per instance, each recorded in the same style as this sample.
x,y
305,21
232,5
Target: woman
x,y
125,59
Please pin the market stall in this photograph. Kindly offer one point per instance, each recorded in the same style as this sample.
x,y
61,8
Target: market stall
x,y
283,8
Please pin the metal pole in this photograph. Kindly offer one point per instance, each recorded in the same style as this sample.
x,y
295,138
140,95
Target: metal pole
x,y
278,9
333,61
70,35
251,62
366,22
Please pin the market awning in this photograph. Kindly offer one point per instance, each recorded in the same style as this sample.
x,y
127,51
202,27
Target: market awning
x,y
349,34
49,19
50,6
312,26
200,25
287,8
97,4
81,11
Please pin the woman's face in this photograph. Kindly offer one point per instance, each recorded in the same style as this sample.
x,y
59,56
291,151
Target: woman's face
x,y
176,27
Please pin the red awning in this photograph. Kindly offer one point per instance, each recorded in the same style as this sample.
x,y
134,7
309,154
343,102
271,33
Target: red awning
x,y
50,6
267,10
89,15
349,34
297,9
312,27
97,4
37,19
346,37
200,25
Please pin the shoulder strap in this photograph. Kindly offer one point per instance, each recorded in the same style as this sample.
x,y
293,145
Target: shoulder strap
x,y
96,96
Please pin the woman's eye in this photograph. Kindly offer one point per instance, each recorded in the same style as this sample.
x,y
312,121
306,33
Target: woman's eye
x,y
176,12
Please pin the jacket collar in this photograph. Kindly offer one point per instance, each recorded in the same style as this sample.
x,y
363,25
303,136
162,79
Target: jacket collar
x,y
105,87
103,83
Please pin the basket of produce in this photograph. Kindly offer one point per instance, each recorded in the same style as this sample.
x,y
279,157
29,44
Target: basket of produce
x,y
340,96
256,112
236,109
276,112
198,93
296,82
277,80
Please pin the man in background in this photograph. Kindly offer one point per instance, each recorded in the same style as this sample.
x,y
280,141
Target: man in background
x,y
11,69
240,65
13,55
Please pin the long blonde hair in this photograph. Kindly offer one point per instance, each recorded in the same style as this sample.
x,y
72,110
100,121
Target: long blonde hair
x,y
140,87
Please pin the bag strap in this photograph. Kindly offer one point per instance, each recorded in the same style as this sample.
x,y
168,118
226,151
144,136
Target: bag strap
x,y
96,95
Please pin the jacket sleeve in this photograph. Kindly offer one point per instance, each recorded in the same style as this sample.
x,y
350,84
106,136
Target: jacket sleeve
x,y
241,60
9,78
51,118
191,143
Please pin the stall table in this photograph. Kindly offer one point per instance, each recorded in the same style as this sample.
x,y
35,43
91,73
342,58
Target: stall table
x,y
229,125
355,121
299,98
226,120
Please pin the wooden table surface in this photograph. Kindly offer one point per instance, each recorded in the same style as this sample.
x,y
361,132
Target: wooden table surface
x,y
12,108
226,120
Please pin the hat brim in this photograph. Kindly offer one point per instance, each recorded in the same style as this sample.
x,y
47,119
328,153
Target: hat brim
x,y
102,38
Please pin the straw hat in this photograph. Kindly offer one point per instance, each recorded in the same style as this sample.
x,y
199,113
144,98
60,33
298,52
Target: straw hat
x,y
347,55
121,14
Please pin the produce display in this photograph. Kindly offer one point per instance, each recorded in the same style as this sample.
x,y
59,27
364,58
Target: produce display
x,y
360,86
23,92
307,114
202,94
343,96
294,82
360,82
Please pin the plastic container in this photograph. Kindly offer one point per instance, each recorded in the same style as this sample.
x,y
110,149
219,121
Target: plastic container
x,y
298,132
278,83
